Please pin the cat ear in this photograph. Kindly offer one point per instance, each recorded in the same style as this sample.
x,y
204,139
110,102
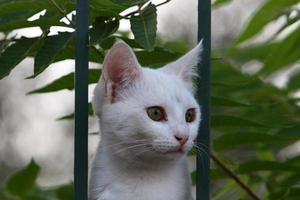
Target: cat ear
x,y
185,67
120,66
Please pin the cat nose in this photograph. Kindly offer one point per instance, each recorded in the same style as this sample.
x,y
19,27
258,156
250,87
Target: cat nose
x,y
182,139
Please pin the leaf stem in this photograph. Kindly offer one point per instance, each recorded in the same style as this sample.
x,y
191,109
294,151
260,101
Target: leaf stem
x,y
139,10
62,12
234,177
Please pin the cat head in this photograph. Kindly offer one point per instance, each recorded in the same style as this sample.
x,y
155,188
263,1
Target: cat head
x,y
147,112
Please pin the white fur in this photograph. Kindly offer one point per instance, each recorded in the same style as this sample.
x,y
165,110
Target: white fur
x,y
133,160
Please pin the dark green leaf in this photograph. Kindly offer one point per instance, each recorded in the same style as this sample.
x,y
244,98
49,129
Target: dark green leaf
x,y
95,55
106,8
226,102
108,42
290,180
218,3
261,165
157,57
285,53
285,193
67,82
14,14
294,82
52,46
72,115
32,6
102,29
194,177
65,192
234,140
270,11
217,174
14,54
253,52
290,21
219,121
23,182
130,2
144,27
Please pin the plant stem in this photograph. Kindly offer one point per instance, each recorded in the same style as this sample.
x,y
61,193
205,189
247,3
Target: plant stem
x,y
62,12
139,10
234,177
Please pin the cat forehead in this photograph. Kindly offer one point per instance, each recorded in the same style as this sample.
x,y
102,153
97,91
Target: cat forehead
x,y
161,85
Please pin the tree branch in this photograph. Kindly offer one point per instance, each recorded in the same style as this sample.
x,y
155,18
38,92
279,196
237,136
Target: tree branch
x,y
62,12
234,177
139,10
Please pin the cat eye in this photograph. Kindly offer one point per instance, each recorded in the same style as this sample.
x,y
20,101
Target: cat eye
x,y
190,115
156,113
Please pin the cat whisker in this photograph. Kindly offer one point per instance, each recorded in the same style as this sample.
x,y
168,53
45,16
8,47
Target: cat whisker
x,y
124,142
130,147
203,145
202,152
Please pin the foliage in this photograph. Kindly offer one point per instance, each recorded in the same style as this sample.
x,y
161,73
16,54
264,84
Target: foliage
x,y
22,185
252,120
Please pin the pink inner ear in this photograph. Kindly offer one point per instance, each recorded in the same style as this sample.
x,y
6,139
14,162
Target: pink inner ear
x,y
121,65
115,70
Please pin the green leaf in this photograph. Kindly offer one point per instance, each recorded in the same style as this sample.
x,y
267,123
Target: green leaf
x,y
72,115
108,42
290,21
226,102
14,14
194,177
218,174
106,8
144,27
67,82
102,29
218,3
14,54
32,6
219,121
294,82
290,180
95,55
23,182
130,1
157,57
270,11
285,193
235,140
252,52
52,46
285,53
261,165
65,192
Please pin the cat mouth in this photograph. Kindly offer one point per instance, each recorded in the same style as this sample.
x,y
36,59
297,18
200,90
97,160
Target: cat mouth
x,y
174,151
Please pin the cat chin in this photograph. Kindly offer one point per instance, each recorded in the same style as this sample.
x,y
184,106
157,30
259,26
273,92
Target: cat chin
x,y
170,155
154,157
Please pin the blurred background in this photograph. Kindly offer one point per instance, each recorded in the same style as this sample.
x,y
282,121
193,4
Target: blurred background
x,y
29,125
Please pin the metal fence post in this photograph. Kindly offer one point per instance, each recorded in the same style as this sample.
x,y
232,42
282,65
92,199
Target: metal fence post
x,y
203,95
81,102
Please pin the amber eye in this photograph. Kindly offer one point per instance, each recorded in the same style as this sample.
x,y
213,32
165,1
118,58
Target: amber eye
x,y
190,115
156,113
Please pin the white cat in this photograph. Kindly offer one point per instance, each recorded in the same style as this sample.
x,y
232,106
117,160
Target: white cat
x,y
149,119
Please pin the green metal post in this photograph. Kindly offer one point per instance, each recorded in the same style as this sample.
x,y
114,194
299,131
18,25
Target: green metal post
x,y
81,102
203,95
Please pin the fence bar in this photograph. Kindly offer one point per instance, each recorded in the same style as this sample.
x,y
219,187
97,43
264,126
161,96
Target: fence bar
x,y
203,95
81,102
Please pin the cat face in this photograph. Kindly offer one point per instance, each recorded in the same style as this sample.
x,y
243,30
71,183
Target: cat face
x,y
146,112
